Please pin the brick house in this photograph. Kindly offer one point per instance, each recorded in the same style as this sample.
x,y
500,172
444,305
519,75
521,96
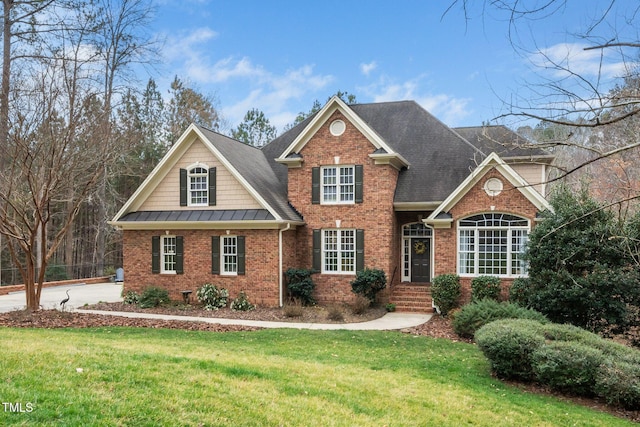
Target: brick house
x,y
383,185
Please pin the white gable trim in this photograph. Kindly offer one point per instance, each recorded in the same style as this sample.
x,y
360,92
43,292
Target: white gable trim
x,y
492,161
333,105
178,149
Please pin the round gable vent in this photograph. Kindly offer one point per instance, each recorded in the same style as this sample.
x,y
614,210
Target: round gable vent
x,y
337,127
493,186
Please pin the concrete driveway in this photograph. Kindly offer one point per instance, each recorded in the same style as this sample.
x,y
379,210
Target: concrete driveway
x,y
79,295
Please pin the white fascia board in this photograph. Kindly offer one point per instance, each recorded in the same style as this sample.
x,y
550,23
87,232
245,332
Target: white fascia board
x,y
492,160
335,103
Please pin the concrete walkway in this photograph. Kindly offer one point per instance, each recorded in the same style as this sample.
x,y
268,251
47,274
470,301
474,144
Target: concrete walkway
x,y
390,321
109,292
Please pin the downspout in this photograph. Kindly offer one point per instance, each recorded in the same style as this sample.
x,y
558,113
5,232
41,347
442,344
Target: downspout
x,y
280,256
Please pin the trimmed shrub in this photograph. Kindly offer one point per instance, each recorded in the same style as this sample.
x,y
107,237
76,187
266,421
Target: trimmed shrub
x,y
485,287
519,291
567,366
369,282
212,297
472,317
445,291
241,303
619,383
300,285
509,344
153,297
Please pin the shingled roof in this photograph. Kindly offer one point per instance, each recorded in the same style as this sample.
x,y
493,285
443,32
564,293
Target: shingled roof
x,y
502,141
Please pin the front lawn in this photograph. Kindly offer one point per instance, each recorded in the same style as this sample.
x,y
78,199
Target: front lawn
x,y
151,377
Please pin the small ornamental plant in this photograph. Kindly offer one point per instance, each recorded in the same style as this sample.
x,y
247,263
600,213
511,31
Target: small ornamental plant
x,y
212,297
153,297
131,297
241,303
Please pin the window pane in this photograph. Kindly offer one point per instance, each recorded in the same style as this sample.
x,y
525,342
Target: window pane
x,y
169,254
329,185
492,252
198,193
467,252
519,240
347,184
348,251
330,248
229,254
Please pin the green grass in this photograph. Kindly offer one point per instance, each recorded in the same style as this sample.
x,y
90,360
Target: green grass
x,y
154,377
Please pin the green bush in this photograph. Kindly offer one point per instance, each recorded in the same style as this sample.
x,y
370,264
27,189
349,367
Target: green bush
x,y
473,316
131,297
618,383
153,297
485,287
300,285
509,344
445,291
519,291
567,366
212,297
241,303
369,282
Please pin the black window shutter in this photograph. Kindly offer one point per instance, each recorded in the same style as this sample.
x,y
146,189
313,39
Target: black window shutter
x,y
358,182
215,254
317,250
315,185
241,255
179,254
359,250
155,254
212,186
183,187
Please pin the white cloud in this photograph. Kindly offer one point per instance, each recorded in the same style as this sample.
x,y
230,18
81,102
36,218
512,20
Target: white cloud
x,y
564,59
448,108
366,69
276,94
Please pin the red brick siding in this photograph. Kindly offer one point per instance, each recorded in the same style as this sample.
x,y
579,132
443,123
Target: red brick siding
x,y
375,215
510,200
261,281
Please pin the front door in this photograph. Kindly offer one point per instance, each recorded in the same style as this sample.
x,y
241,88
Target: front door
x,y
421,260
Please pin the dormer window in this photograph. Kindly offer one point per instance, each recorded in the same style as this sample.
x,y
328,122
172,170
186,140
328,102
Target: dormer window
x,y
198,186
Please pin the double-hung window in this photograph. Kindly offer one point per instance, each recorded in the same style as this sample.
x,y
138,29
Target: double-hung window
x,y
338,184
492,244
198,186
339,251
229,252
168,254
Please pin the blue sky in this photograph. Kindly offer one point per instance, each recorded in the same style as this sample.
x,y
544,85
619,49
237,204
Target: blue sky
x,y
281,56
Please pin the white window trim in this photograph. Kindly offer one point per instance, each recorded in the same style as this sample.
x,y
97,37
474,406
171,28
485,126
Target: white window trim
x,y
337,185
206,182
339,251
476,251
223,272
163,254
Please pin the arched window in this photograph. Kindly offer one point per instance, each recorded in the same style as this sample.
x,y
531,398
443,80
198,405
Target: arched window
x,y
492,244
198,186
